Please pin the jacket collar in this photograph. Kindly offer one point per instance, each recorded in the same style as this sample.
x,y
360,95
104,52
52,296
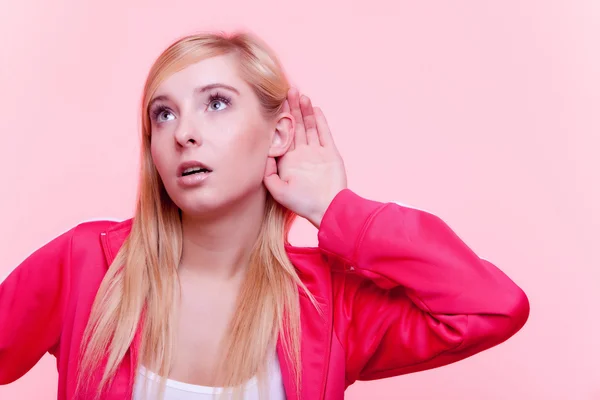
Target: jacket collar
x,y
316,325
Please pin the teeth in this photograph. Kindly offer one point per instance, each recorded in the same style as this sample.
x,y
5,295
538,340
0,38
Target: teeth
x,y
194,170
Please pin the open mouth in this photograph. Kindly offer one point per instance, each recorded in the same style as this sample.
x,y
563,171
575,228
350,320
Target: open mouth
x,y
194,171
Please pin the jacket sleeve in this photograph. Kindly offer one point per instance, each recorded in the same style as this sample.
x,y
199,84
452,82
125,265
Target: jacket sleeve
x,y
32,304
414,296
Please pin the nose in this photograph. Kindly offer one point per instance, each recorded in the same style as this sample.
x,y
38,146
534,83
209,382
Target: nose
x,y
187,133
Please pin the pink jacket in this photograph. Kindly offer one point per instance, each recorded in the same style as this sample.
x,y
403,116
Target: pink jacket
x,y
400,292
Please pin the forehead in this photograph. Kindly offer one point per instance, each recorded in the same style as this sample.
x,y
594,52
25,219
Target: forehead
x,y
214,70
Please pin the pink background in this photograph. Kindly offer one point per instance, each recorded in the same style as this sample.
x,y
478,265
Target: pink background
x,y
486,113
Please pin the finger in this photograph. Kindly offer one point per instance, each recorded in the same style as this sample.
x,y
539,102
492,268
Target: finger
x,y
271,166
294,102
310,125
274,184
325,137
286,109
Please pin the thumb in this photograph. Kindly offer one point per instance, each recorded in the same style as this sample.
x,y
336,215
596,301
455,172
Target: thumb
x,y
274,184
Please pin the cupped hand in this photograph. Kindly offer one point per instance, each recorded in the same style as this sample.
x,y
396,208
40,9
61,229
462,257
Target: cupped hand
x,y
311,173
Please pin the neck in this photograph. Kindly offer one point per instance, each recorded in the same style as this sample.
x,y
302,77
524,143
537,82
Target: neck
x,y
219,246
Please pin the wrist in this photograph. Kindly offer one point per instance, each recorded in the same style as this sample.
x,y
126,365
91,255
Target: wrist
x,y
316,219
317,216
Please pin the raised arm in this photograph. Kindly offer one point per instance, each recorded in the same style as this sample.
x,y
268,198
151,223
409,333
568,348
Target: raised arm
x,y
414,296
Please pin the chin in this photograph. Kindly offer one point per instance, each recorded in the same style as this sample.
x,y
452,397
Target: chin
x,y
210,203
199,204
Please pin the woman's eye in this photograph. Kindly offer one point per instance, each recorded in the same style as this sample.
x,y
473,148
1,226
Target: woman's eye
x,y
162,114
165,116
217,105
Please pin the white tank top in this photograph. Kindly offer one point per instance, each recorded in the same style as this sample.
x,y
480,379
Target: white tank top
x,y
184,391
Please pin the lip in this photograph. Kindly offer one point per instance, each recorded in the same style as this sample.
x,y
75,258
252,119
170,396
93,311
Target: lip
x,y
190,164
194,179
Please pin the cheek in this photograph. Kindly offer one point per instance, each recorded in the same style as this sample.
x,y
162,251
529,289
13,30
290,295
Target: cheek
x,y
158,157
251,149
255,139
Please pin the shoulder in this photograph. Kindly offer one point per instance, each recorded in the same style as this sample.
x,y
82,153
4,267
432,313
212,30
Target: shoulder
x,y
95,227
87,255
88,247
322,273
307,259
314,260
89,232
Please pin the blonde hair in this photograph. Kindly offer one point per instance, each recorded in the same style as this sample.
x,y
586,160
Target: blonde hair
x,y
141,285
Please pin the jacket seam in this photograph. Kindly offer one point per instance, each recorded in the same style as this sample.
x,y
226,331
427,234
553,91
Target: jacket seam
x,y
354,258
327,362
361,238
363,231
334,331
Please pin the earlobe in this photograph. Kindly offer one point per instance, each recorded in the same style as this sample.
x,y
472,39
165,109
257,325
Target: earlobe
x,y
283,135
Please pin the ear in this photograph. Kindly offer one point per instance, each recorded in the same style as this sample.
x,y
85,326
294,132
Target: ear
x,y
283,136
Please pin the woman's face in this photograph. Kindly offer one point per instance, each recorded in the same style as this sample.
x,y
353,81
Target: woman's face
x,y
209,137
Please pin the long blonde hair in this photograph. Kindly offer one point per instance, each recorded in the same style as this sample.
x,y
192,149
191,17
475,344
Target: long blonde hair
x,y
141,284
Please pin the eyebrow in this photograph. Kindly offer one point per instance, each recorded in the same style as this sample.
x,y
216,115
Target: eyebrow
x,y
198,90
212,86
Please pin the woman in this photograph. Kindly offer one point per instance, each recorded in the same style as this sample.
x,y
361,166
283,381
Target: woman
x,y
201,291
